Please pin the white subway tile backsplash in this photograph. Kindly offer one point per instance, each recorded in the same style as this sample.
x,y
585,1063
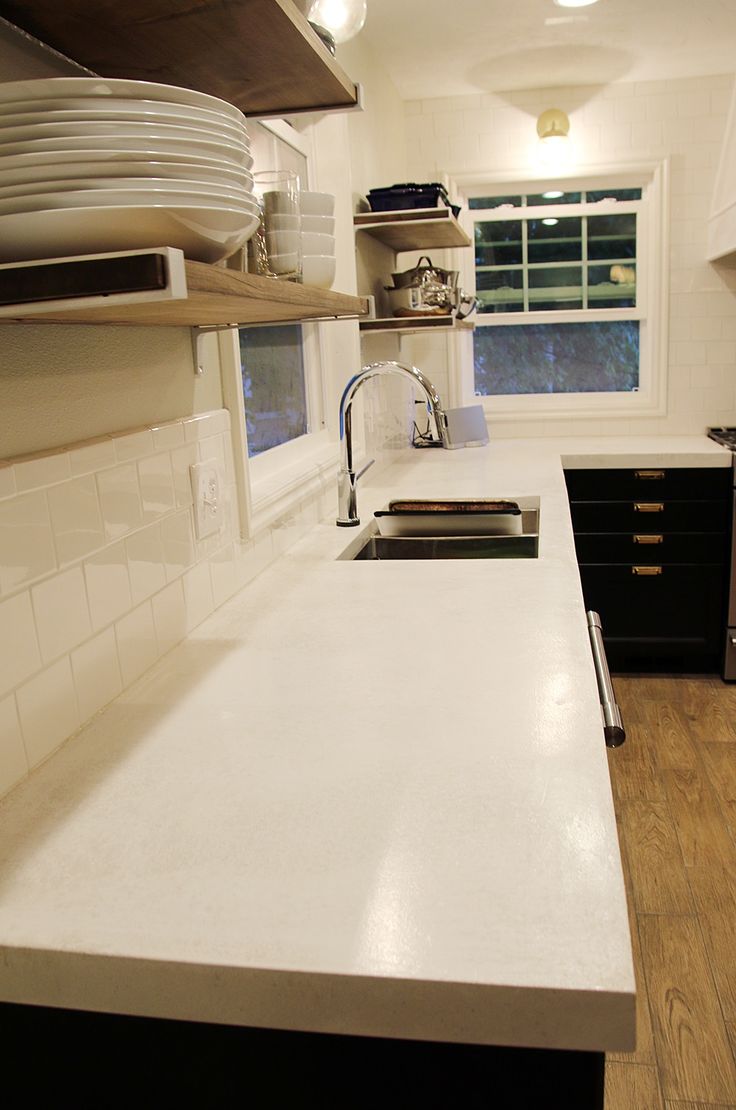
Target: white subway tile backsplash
x,y
178,543
145,554
62,614
120,500
26,541
222,571
19,652
96,673
133,445
181,460
108,584
87,458
169,616
13,760
76,518
137,644
47,707
198,598
42,470
168,436
156,485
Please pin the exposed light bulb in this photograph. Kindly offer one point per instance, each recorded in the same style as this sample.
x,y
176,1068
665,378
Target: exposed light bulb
x,y
342,18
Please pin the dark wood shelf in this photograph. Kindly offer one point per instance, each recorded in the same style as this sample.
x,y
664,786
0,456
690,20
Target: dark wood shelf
x,y
260,55
405,324
413,228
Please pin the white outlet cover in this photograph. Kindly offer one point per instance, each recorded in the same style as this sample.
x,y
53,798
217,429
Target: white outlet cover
x,y
208,511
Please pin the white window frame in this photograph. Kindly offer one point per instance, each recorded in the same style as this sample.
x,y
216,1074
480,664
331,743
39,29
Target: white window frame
x,y
271,483
652,299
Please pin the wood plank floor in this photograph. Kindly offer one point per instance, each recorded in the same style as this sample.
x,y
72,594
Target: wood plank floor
x,y
674,789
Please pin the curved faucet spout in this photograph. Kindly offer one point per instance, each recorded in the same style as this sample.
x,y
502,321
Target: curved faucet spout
x,y
347,479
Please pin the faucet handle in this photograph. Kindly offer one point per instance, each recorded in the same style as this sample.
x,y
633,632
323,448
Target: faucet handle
x,y
363,469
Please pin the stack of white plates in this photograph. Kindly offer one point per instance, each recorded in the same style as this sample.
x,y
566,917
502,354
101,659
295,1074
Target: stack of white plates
x,y
89,165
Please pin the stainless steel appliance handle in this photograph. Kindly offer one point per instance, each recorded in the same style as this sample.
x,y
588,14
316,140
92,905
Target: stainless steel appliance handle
x,y
613,725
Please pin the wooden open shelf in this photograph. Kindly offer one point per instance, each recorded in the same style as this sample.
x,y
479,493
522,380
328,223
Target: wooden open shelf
x,y
214,296
260,55
414,228
406,324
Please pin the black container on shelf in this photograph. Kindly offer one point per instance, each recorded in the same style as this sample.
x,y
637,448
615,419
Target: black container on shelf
x,y
394,198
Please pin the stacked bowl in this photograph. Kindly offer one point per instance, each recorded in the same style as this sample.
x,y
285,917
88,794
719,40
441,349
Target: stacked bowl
x,y
318,238
89,165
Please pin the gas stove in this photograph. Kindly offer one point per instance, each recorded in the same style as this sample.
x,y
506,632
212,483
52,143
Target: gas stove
x,y
725,436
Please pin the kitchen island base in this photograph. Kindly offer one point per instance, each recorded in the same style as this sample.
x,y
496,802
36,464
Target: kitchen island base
x,y
98,1059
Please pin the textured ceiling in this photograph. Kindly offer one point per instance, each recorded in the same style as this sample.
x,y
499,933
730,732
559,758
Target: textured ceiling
x,y
438,48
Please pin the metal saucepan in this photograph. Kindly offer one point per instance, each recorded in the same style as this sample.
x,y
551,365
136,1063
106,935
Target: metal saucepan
x,y
428,273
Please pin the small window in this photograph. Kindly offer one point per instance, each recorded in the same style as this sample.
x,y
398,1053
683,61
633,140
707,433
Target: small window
x,y
274,388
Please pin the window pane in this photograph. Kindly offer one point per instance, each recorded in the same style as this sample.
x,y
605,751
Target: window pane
x,y
557,358
555,242
493,202
273,386
612,286
612,237
595,195
553,287
498,243
500,290
554,196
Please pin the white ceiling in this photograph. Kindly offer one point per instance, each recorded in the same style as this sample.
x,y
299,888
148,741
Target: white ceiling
x,y
459,47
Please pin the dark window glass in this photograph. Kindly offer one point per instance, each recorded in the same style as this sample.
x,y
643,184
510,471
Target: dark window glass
x,y
612,237
557,358
498,243
273,386
555,287
612,286
500,290
594,195
555,242
541,198
493,202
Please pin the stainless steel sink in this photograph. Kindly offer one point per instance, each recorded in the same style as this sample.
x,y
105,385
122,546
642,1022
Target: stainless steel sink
x,y
521,545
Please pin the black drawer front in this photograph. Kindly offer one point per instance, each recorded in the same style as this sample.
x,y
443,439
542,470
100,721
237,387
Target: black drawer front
x,y
646,547
681,607
649,484
650,515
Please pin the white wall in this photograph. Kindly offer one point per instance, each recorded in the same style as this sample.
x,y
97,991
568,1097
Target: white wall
x,y
683,120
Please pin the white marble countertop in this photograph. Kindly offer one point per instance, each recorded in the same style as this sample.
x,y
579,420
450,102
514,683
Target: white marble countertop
x,y
362,797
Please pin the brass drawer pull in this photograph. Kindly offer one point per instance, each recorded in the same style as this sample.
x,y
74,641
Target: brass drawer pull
x,y
649,506
648,539
649,474
646,571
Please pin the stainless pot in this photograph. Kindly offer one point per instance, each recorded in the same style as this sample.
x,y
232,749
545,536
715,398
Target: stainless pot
x,y
429,273
429,298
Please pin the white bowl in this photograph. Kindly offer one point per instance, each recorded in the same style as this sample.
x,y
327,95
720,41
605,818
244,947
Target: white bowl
x,y
280,242
51,88
36,163
203,232
324,225
318,270
317,204
152,144
313,243
278,202
97,198
281,221
286,263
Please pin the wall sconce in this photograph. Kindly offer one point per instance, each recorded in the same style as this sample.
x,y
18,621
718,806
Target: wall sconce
x,y
342,18
553,127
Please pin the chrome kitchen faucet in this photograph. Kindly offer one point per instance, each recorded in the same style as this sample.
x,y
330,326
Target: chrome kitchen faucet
x,y
347,479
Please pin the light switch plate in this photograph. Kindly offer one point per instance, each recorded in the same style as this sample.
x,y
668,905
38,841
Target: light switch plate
x,y
208,516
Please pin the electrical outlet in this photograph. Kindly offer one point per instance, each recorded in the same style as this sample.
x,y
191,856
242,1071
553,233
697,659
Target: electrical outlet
x,y
205,480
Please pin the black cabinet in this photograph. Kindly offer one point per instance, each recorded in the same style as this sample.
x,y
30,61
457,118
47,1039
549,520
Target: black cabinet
x,y
653,548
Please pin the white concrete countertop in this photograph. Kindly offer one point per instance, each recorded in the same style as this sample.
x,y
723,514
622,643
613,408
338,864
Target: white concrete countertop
x,y
361,798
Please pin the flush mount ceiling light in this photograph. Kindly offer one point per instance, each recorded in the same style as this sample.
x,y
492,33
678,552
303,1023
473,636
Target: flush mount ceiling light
x,y
342,18
574,3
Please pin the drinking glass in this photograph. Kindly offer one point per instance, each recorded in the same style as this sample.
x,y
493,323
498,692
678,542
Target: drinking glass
x,y
275,249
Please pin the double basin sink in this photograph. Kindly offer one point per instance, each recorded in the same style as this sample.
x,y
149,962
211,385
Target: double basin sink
x,y
450,530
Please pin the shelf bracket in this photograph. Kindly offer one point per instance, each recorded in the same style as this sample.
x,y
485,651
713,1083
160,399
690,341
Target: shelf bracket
x,y
197,335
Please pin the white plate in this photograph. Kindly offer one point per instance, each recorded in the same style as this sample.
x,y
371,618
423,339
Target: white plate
x,y
136,184
204,233
34,176
155,146
49,88
39,160
97,198
125,129
117,106
79,121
